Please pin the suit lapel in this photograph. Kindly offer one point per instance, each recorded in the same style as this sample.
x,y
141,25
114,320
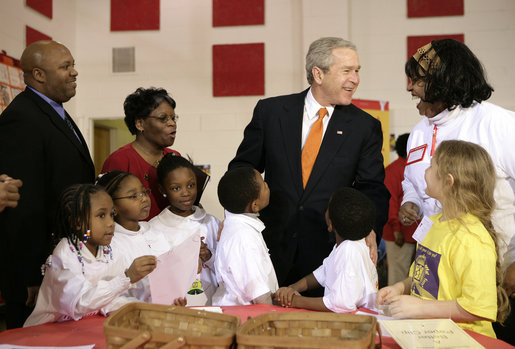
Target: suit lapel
x,y
337,131
291,130
60,124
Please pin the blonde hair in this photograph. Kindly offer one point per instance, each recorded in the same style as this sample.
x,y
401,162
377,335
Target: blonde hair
x,y
472,191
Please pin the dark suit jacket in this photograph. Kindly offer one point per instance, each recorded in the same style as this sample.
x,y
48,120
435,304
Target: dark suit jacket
x,y
37,147
349,156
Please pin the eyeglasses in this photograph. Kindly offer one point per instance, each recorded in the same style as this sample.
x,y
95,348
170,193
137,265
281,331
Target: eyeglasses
x,y
137,196
165,118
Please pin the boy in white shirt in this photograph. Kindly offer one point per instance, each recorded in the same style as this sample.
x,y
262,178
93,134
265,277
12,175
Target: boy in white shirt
x,y
348,275
243,267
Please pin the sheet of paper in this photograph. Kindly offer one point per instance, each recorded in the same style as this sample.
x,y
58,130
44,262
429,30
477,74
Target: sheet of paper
x,y
384,331
175,272
429,333
12,346
211,309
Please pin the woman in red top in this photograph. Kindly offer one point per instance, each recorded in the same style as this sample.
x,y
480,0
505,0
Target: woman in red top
x,y
150,115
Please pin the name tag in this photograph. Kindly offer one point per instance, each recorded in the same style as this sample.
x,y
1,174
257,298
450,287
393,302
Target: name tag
x,y
416,154
422,229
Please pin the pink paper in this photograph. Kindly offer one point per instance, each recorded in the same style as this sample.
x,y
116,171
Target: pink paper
x,y
175,272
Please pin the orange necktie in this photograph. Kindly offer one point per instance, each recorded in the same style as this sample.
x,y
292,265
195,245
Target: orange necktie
x,y
312,146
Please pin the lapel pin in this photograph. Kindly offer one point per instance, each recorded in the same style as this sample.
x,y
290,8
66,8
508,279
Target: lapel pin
x,y
339,132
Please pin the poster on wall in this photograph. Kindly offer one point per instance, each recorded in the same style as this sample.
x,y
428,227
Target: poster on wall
x,y
379,110
11,83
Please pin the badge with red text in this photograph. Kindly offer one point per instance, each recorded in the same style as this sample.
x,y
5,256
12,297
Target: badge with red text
x,y
416,154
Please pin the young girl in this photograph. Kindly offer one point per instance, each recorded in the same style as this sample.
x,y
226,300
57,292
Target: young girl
x,y
133,237
81,277
456,273
182,220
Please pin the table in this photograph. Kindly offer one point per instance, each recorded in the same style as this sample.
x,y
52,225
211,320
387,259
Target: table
x,y
90,330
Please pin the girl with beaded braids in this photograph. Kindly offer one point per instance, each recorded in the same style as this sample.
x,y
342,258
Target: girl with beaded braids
x,y
81,277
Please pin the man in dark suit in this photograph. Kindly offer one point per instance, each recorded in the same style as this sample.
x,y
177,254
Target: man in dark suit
x,y
347,154
42,146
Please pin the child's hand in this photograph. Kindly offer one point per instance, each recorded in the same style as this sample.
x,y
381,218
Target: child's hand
x,y
404,307
181,301
284,296
205,253
141,267
384,296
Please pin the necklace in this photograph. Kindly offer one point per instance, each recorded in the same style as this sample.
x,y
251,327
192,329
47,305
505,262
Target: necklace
x,y
149,157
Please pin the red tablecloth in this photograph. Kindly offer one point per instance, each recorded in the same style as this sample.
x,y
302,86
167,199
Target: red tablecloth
x,y
90,330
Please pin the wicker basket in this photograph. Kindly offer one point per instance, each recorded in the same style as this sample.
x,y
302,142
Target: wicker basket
x,y
308,330
142,325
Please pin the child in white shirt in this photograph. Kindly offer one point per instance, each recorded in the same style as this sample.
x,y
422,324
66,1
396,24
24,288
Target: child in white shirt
x,y
348,275
81,277
183,220
133,237
243,267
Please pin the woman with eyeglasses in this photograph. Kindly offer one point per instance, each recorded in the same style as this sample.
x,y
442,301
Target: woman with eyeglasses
x,y
150,116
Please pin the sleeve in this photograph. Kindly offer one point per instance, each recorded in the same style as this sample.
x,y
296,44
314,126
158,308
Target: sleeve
x,y
409,191
473,262
116,162
348,287
251,152
76,296
247,276
212,231
370,176
26,225
319,274
393,184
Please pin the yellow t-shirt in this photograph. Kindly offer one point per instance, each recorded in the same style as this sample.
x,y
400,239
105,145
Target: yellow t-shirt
x,y
456,261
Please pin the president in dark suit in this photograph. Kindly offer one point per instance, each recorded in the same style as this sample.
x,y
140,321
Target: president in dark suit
x,y
310,144
42,146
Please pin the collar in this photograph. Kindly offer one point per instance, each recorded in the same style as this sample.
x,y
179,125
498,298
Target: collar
x,y
311,107
143,228
89,257
247,218
448,115
167,217
56,106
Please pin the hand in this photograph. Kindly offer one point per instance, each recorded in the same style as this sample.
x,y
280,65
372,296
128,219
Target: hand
x,y
399,238
370,240
385,294
509,280
9,194
284,296
181,301
405,307
141,267
205,253
219,233
32,296
408,213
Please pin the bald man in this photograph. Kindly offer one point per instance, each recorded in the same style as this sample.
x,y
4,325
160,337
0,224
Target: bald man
x,y
42,146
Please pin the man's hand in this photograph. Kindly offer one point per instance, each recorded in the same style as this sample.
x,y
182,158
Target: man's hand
x,y
408,213
9,194
372,245
399,238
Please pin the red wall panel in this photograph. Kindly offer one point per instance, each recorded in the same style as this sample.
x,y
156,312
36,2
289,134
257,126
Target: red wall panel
x,y
238,12
134,15
32,35
414,42
42,6
239,70
435,8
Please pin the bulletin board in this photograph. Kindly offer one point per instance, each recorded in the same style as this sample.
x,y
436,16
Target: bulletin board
x,y
379,110
11,83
